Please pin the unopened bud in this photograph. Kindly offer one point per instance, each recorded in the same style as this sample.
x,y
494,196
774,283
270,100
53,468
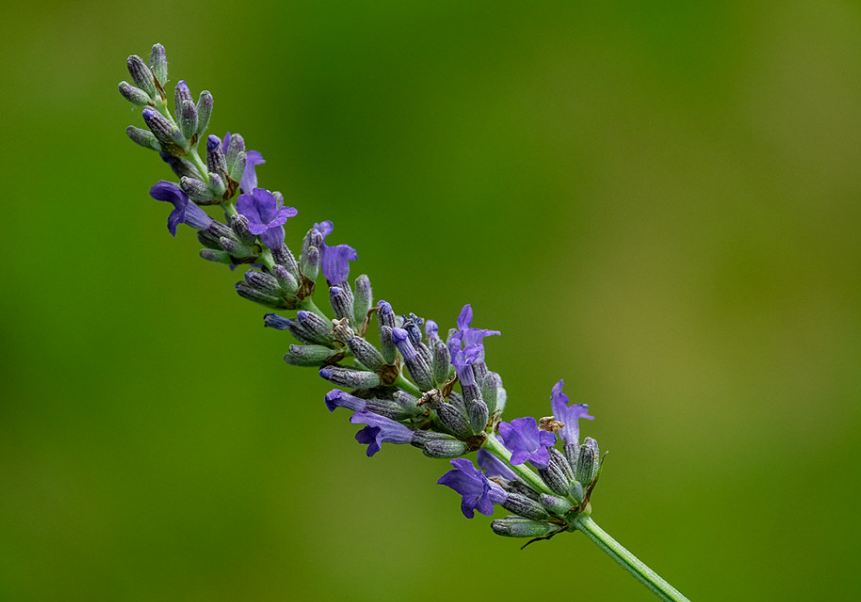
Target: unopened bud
x,y
524,506
216,256
141,75
158,63
348,377
366,353
188,119
513,526
364,298
310,355
143,138
556,505
134,95
204,112
444,448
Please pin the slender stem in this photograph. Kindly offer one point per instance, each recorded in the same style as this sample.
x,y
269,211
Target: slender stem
x,y
309,305
494,446
407,385
628,561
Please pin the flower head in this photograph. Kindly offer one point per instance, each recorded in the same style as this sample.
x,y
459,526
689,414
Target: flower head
x,y
266,215
526,441
335,259
477,492
569,415
466,344
379,430
184,210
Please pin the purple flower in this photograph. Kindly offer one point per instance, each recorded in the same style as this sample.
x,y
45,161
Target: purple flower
x,y
379,430
526,441
336,398
184,210
478,493
568,415
466,345
335,259
494,467
266,215
249,175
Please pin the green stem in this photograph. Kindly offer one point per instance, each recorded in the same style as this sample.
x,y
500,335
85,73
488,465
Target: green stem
x,y
407,385
494,446
628,561
309,305
199,164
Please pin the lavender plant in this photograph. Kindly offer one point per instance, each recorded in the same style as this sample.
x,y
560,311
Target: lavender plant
x,y
398,378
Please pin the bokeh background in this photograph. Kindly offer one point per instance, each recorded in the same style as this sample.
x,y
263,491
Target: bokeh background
x,y
658,202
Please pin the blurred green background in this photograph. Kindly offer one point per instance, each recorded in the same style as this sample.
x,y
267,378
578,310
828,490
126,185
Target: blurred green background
x,y
658,202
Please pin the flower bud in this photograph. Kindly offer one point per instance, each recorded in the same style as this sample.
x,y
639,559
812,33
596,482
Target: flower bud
x,y
386,407
441,362
416,363
143,138
512,526
134,95
236,248
588,462
341,302
350,378
364,298
444,448
264,282
214,155
285,279
216,256
556,505
490,384
284,257
181,94
557,474
141,75
408,402
386,318
320,329
195,189
217,186
365,353
234,147
275,321
454,420
524,506
204,112
188,119
165,132
478,414
309,263
310,355
253,294
158,63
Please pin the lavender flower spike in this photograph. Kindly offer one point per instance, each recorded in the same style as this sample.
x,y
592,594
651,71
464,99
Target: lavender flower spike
x,y
266,215
336,259
568,415
477,491
184,210
379,430
400,390
526,441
